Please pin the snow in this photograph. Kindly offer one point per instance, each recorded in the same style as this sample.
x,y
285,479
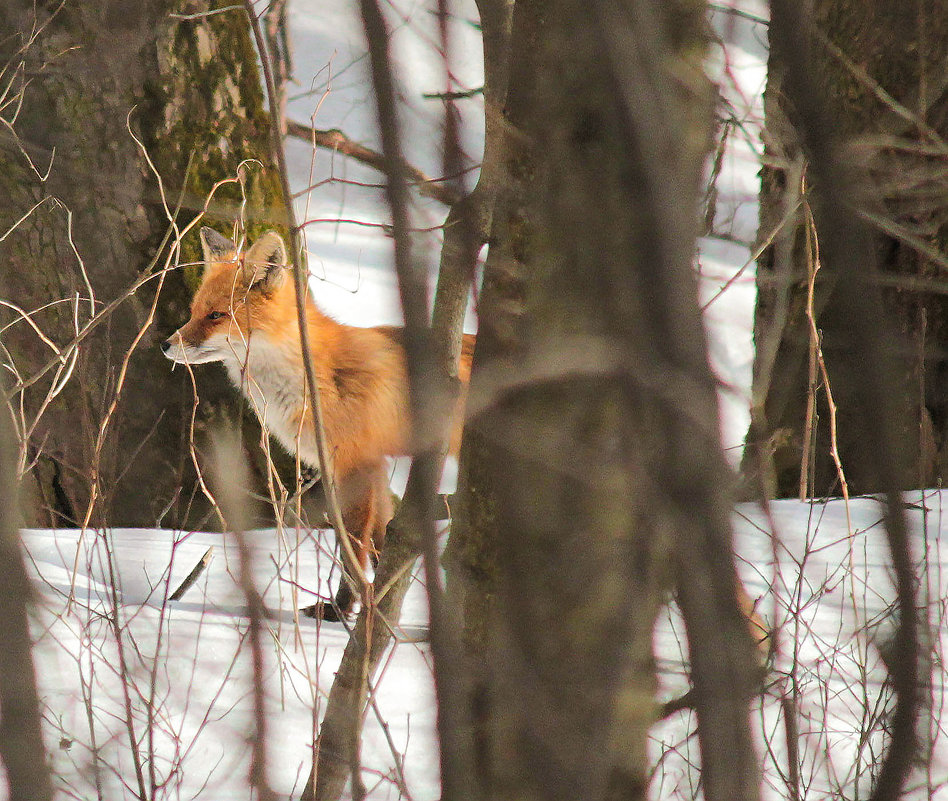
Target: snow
x,y
829,590
188,661
108,639
188,670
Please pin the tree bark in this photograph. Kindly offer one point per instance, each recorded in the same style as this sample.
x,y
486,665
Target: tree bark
x,y
190,90
891,107
22,751
591,470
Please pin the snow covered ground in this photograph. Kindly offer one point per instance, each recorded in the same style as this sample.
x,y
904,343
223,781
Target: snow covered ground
x,y
185,665
180,670
123,670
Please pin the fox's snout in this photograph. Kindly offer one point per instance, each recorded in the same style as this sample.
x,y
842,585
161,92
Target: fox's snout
x,y
179,350
173,347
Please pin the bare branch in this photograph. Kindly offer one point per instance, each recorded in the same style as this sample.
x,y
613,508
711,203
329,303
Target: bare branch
x,y
297,259
335,140
465,232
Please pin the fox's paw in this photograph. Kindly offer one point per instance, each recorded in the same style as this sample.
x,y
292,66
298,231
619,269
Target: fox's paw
x,y
324,610
309,477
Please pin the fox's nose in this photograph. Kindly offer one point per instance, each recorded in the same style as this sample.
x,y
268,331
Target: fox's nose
x,y
166,346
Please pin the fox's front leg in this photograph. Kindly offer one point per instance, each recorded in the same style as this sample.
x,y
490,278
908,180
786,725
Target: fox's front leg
x,y
366,512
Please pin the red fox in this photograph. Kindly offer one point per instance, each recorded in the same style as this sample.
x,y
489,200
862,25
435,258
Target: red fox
x,y
244,315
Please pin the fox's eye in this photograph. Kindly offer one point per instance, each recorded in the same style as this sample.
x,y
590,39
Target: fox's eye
x,y
215,315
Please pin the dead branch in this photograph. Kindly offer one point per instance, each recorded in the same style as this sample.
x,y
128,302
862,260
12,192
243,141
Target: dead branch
x,y
431,397
297,256
336,140
465,232
363,653
816,358
193,576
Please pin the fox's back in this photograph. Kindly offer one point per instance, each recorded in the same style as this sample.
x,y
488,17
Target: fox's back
x,y
364,384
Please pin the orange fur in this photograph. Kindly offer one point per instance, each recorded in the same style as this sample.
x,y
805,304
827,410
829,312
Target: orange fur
x,y
244,315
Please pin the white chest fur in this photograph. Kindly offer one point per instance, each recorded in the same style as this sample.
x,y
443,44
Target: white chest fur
x,y
271,377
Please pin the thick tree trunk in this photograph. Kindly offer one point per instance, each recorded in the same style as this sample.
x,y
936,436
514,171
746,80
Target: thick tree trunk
x,y
95,74
891,106
591,466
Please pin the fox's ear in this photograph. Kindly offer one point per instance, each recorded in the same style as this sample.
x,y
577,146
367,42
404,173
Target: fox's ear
x,y
216,247
265,262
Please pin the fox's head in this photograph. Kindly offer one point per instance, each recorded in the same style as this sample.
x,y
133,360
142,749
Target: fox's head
x,y
237,296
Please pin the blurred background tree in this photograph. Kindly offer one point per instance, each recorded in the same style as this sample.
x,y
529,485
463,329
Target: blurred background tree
x,y
891,106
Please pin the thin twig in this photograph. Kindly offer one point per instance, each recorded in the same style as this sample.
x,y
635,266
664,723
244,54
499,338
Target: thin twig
x,y
756,254
810,416
813,258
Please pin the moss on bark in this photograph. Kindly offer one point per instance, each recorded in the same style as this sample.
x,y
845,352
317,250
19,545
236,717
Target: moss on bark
x,y
190,90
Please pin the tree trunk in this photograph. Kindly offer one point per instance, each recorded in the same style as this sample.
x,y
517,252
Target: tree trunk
x,y
591,466
22,751
891,106
95,74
